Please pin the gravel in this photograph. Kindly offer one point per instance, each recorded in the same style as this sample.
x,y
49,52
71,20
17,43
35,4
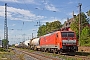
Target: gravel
x,y
20,56
27,57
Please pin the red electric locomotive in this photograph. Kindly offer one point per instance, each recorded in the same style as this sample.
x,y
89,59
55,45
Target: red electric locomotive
x,y
59,41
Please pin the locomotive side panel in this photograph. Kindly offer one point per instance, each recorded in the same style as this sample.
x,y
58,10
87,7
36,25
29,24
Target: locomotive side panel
x,y
50,42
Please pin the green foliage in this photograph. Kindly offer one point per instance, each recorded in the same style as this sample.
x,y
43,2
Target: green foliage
x,y
85,36
88,13
2,50
13,45
75,27
49,27
5,42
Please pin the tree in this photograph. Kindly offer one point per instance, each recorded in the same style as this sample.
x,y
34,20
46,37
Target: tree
x,y
75,24
75,27
85,36
49,27
5,43
88,13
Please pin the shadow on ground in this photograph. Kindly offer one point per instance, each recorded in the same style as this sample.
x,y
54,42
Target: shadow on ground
x,y
83,53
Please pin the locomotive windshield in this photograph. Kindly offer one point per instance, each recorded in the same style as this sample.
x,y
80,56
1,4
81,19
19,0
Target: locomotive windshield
x,y
67,34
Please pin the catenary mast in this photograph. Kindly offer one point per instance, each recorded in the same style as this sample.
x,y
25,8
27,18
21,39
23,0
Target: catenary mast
x,y
5,24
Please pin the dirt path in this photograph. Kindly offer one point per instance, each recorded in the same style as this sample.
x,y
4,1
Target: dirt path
x,y
83,49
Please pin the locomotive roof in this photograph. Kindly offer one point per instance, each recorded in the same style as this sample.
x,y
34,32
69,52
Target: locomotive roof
x,y
55,32
67,31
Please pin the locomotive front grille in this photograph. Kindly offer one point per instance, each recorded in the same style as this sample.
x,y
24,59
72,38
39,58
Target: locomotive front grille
x,y
69,42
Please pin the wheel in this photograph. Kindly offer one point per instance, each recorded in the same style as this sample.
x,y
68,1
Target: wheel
x,y
53,51
60,52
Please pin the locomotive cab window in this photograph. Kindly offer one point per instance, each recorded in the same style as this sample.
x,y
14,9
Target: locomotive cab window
x,y
64,34
70,34
67,34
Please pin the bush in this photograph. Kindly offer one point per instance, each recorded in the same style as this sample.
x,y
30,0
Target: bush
x,y
85,37
3,50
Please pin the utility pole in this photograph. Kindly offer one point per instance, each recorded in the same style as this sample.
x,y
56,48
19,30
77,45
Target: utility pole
x,y
79,22
39,24
5,25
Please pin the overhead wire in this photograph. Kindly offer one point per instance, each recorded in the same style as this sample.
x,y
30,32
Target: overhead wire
x,y
28,10
32,20
26,5
18,13
86,7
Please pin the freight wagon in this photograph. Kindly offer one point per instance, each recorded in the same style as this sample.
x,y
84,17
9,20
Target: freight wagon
x,y
26,43
34,44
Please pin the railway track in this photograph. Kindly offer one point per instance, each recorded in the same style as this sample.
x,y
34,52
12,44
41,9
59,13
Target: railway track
x,y
78,56
41,56
38,56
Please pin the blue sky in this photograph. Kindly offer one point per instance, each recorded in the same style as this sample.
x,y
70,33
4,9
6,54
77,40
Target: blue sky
x,y
23,15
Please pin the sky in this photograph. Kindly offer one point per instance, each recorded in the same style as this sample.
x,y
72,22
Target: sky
x,y
23,15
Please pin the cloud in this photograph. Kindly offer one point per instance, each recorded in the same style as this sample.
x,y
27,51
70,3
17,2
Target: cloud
x,y
63,20
9,0
13,24
52,19
19,14
21,1
50,7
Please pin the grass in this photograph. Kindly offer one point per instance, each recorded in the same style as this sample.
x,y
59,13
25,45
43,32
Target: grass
x,y
3,55
21,56
31,50
6,54
10,55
